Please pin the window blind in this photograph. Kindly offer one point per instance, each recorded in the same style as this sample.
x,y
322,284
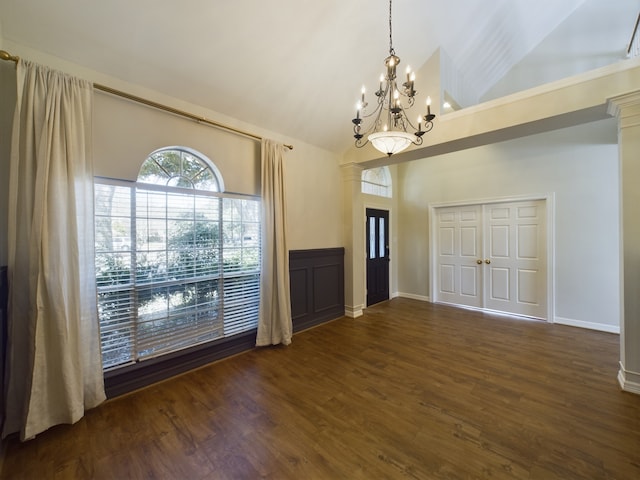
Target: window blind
x,y
175,268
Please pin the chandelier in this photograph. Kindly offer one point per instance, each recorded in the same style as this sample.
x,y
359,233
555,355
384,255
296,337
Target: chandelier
x,y
389,122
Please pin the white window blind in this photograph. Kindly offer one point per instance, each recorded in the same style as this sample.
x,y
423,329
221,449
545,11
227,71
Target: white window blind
x,y
175,267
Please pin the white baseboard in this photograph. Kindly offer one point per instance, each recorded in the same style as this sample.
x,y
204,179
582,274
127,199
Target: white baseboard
x,y
413,296
629,381
602,327
353,312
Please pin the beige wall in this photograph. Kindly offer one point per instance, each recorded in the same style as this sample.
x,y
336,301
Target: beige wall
x,y
578,165
314,198
125,133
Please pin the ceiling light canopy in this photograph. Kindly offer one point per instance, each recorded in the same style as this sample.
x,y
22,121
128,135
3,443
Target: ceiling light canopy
x,y
387,131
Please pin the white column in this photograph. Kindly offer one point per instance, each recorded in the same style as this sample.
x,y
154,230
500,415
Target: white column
x,y
626,108
353,221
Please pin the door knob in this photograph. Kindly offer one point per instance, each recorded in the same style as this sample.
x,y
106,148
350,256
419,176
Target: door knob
x,y
487,261
479,262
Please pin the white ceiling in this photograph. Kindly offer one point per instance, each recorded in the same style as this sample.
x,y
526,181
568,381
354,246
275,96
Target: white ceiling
x,y
296,66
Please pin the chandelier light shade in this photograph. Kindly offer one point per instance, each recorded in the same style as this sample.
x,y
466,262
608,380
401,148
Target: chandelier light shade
x,y
391,142
388,122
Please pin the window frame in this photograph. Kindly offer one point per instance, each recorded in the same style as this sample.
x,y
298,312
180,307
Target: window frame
x,y
123,377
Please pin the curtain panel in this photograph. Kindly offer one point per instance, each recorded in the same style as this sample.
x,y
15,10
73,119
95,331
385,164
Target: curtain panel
x,y
274,320
54,369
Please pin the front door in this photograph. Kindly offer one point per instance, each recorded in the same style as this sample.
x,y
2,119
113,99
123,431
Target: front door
x,y
377,255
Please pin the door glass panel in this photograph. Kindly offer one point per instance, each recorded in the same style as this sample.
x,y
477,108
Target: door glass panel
x,y
372,237
382,239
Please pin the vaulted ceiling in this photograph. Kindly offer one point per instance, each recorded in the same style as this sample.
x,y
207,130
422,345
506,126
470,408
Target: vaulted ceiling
x,y
296,66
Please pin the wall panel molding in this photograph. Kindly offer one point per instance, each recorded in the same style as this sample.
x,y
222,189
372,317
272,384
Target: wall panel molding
x,y
317,286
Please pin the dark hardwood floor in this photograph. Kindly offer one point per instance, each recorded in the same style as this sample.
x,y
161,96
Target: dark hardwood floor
x,y
409,390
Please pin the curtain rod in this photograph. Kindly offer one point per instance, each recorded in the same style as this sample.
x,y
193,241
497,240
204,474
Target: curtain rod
x,y
7,56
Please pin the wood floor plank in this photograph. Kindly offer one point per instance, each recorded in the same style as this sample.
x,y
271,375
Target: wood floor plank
x,y
409,390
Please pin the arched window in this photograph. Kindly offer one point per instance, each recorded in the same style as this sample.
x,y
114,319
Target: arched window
x,y
177,260
181,167
377,181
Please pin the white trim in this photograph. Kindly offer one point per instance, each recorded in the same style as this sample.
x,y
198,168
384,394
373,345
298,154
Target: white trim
x,y
550,202
431,211
601,327
629,381
353,312
489,200
412,296
548,198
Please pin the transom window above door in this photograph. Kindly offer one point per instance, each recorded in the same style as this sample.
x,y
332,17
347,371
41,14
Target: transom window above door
x,y
377,181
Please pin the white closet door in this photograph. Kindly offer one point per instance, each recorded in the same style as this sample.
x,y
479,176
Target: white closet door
x,y
515,258
493,256
459,243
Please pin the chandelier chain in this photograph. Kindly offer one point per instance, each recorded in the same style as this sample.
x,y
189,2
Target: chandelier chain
x,y
391,50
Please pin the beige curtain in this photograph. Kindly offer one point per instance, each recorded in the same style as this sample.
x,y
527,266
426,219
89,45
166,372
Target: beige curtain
x,y
274,323
54,367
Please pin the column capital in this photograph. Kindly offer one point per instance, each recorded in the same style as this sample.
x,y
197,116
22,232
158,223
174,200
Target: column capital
x,y
626,108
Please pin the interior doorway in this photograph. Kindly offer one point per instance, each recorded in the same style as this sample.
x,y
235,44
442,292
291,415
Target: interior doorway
x,y
377,247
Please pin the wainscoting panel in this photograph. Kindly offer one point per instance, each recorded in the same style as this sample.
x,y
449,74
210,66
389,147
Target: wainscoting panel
x,y
317,286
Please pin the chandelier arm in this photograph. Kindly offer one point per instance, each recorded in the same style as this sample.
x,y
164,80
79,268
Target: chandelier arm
x,y
427,127
375,124
360,142
407,121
